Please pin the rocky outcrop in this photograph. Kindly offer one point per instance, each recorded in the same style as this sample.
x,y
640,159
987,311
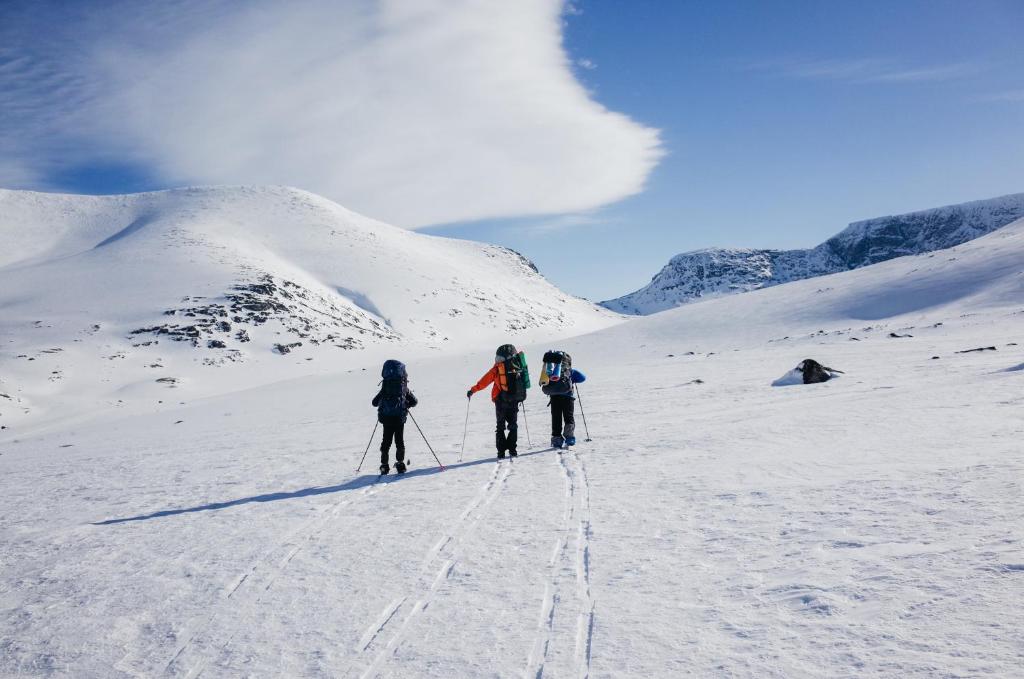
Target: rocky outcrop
x,y
300,312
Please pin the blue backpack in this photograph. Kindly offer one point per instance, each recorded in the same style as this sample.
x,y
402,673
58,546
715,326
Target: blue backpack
x,y
559,373
393,387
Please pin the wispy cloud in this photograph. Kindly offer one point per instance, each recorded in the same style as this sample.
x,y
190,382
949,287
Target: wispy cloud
x,y
1008,95
562,223
412,111
864,71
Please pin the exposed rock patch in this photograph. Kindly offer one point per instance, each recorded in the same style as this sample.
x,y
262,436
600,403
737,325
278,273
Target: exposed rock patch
x,y
301,313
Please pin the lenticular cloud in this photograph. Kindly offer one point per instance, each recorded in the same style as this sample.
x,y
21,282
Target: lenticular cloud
x,y
415,112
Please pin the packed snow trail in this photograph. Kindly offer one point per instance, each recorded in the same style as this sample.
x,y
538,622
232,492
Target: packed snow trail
x,y
445,553
555,629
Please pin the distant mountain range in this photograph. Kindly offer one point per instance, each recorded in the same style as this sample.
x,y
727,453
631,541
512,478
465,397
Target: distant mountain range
x,y
715,272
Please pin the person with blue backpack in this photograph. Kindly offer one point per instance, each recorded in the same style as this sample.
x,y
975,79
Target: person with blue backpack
x,y
393,402
557,380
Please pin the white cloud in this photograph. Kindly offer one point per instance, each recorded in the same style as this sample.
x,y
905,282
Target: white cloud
x,y
412,111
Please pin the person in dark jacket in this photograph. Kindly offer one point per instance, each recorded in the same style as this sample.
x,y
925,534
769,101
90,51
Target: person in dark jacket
x,y
393,402
557,380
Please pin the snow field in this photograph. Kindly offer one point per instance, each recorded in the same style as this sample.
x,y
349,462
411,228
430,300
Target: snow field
x,y
715,525
856,527
865,526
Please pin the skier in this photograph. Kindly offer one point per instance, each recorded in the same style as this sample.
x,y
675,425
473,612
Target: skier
x,y
509,379
393,402
556,380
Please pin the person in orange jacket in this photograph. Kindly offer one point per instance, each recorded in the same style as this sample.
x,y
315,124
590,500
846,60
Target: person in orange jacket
x,y
509,380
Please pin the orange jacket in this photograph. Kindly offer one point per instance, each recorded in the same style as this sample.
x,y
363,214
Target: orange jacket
x,y
491,378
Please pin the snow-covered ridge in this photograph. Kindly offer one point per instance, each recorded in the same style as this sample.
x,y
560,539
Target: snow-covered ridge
x,y
692,276
982,277
138,287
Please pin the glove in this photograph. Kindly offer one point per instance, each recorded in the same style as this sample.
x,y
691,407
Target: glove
x,y
469,394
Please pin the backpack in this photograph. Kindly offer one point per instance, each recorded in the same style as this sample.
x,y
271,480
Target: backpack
x,y
394,384
558,371
513,373
814,372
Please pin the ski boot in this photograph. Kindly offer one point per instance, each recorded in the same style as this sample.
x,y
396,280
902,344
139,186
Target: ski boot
x,y
513,453
400,467
556,442
501,454
384,469
570,441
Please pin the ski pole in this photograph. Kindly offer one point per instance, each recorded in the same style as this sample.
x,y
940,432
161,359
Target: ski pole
x,y
465,428
426,441
585,427
368,446
527,425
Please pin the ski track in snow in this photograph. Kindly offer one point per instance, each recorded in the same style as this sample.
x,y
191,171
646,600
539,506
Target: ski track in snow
x,y
561,567
245,591
444,552
585,615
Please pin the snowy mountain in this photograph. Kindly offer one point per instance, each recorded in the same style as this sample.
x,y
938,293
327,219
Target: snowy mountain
x,y
981,276
111,293
714,526
715,272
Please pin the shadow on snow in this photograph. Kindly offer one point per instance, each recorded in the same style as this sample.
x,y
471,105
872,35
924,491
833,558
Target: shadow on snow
x,y
354,484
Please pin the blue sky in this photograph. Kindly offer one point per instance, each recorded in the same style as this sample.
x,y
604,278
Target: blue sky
x,y
701,123
785,121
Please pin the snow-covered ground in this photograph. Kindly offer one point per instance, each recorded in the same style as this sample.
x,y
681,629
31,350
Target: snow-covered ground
x,y
714,526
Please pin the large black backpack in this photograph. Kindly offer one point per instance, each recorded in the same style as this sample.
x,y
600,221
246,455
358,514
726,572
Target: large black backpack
x,y
563,385
513,375
393,387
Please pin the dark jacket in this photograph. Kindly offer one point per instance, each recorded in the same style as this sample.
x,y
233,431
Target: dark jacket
x,y
391,408
563,387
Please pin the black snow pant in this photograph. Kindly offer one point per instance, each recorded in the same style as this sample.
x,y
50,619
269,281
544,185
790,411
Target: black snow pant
x,y
507,415
563,422
394,428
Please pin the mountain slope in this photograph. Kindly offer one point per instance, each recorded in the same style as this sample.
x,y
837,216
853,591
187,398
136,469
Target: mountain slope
x,y
714,526
907,295
715,272
125,290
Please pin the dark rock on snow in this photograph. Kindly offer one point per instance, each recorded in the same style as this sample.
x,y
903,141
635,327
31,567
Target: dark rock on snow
x,y
815,372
